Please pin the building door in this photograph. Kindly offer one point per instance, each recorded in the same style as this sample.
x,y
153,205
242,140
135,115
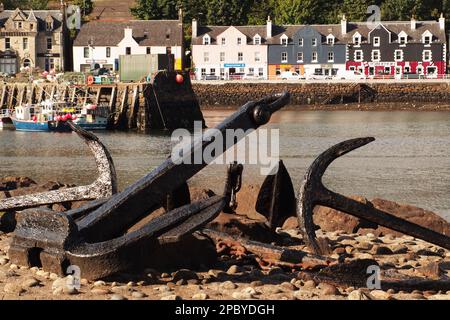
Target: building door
x,y
371,71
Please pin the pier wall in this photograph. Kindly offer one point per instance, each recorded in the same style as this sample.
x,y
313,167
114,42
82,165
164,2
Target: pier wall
x,y
229,94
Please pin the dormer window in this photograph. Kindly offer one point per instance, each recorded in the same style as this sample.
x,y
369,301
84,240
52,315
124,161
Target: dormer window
x,y
284,40
206,40
330,40
427,38
223,41
49,26
257,40
19,25
357,39
239,41
376,41
402,38
314,42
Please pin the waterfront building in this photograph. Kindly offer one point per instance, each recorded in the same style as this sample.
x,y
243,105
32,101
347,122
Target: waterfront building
x,y
403,48
306,50
229,52
32,38
102,43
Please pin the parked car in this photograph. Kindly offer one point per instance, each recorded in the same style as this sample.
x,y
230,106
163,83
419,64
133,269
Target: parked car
x,y
237,76
349,75
316,76
251,76
289,75
210,77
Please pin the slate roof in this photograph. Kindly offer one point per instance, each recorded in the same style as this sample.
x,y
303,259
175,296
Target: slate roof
x,y
40,16
395,27
146,33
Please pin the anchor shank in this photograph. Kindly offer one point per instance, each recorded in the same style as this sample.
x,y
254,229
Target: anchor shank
x,y
370,213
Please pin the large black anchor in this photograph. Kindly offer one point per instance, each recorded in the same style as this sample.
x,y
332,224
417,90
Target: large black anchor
x,y
95,237
314,193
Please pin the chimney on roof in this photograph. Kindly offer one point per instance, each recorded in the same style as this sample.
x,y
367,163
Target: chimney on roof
x,y
2,7
194,28
128,32
269,28
344,25
180,15
413,23
442,22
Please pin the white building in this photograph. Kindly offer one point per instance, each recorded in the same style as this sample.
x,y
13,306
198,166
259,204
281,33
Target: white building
x,y
103,43
228,52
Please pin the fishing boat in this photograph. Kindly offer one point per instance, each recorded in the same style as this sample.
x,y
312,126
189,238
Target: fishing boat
x,y
39,118
5,119
90,117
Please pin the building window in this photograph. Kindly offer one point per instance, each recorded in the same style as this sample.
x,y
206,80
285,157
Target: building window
x,y
239,41
427,55
277,71
31,26
203,71
205,56
25,43
284,41
376,41
257,40
257,56
403,40
149,50
314,57
330,56
284,57
49,26
407,69
128,51
241,70
260,72
212,71
86,52
387,70
427,40
7,43
49,44
314,42
357,40
330,40
300,42
251,71
299,56
222,56
20,25
108,52
359,56
26,63
224,41
222,73
398,55
240,56
206,40
376,55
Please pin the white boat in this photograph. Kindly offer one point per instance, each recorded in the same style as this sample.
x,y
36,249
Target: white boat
x,y
5,119
90,118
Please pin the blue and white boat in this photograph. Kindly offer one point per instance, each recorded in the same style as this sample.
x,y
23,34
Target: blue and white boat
x,y
41,118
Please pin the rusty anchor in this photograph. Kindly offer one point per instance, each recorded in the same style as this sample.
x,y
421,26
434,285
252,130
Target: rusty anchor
x,y
95,237
104,186
314,193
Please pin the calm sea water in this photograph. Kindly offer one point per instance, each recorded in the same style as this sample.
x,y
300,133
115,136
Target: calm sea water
x,y
408,163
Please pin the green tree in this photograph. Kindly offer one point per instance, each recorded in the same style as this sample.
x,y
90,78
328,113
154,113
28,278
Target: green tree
x,y
260,10
297,11
228,12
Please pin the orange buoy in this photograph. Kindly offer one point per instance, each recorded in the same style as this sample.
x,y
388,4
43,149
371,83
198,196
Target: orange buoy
x,y
179,78
90,80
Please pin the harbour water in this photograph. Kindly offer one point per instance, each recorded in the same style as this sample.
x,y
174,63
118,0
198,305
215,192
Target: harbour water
x,y
408,163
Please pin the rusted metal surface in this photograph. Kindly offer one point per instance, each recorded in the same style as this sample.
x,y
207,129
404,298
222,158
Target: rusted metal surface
x,y
276,199
267,254
233,186
105,185
98,241
314,193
